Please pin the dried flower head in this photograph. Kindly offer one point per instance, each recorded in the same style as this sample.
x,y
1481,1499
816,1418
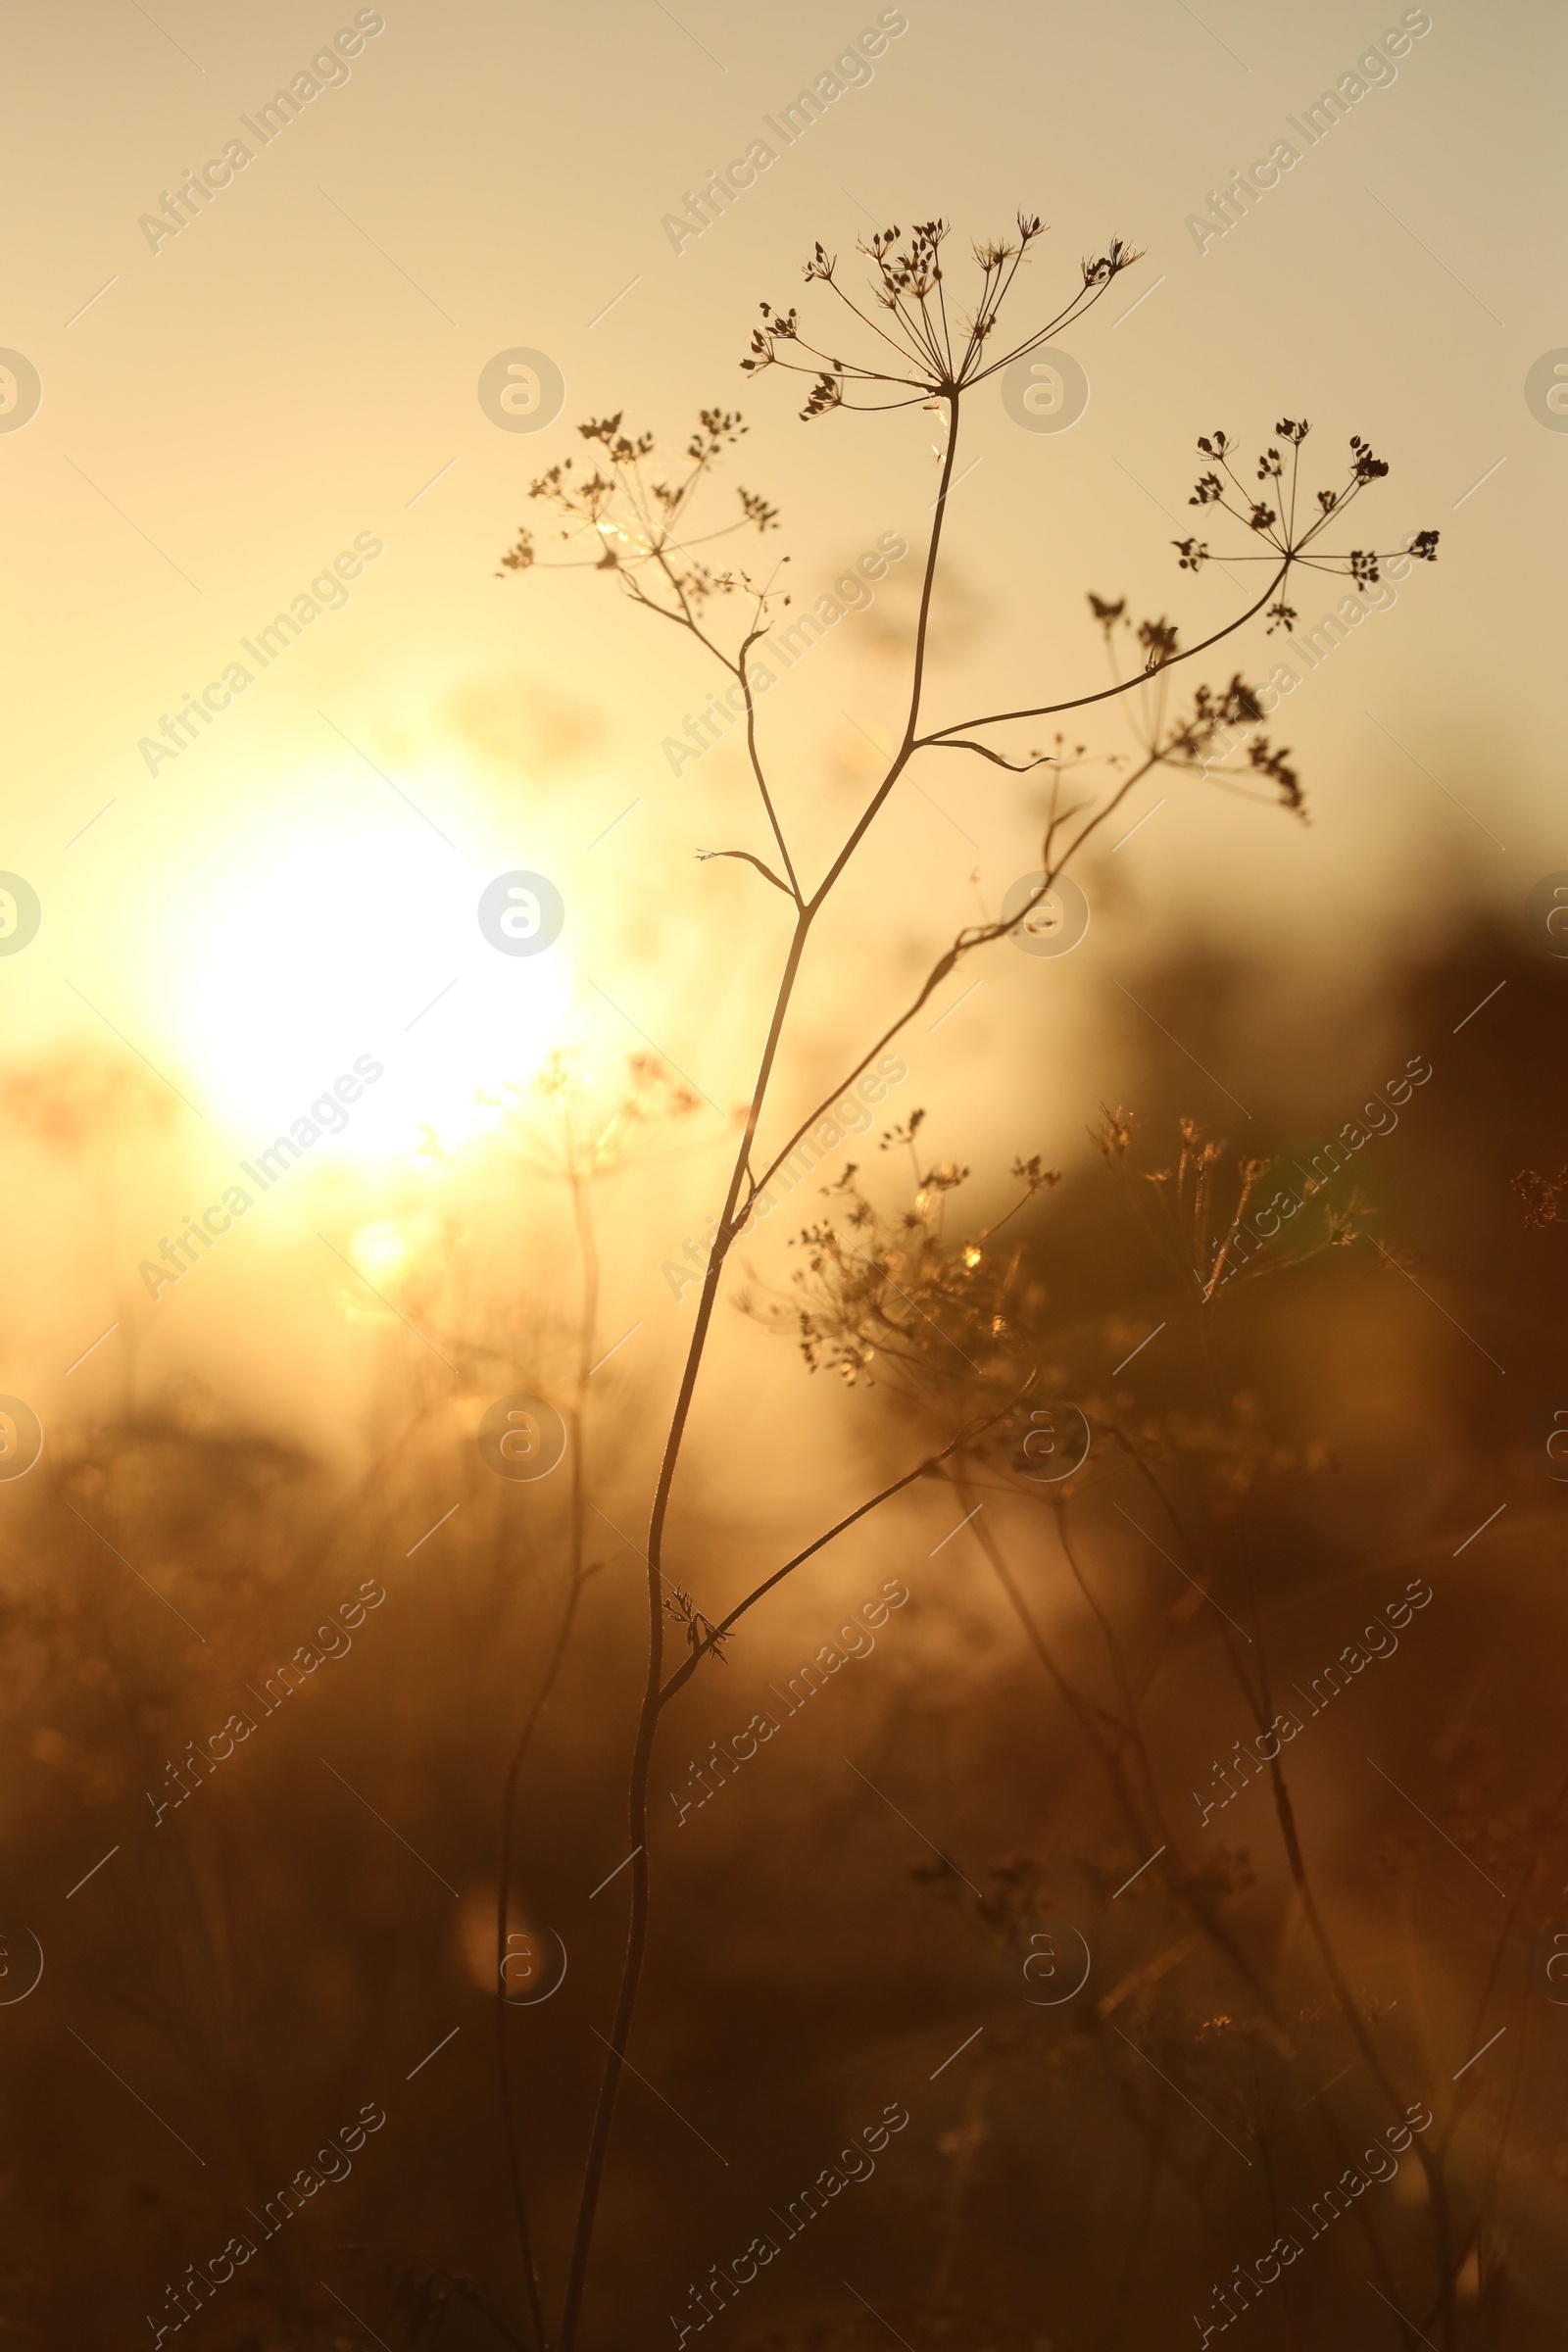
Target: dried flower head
x,y
924,353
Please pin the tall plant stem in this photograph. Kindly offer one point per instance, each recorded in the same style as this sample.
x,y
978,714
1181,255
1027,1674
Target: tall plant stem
x,y
652,1703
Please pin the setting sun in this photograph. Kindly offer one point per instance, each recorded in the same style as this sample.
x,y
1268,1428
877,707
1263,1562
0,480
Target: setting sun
x,y
311,950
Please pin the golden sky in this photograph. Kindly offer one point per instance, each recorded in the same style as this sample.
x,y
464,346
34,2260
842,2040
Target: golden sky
x,y
295,377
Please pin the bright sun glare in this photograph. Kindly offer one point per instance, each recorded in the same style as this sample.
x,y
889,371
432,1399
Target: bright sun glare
x,y
359,943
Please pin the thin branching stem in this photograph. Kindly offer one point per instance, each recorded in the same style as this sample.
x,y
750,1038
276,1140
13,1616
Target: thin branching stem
x,y
652,1703
923,1469
910,295
1108,693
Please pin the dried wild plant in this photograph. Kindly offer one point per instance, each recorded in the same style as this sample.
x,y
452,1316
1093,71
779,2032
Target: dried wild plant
x,y
634,517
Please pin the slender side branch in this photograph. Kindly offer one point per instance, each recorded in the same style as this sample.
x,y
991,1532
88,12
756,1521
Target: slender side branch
x,y
959,743
977,935
722,1629
1106,694
767,871
755,756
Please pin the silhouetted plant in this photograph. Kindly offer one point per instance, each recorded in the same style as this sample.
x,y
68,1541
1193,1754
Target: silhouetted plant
x,y
633,518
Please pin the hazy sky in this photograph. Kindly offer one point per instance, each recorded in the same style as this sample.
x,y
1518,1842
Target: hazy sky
x,y
297,373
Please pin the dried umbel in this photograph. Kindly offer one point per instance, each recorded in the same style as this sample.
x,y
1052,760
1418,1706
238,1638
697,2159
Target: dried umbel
x,y
1286,539
1197,1207
930,355
631,519
901,1300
